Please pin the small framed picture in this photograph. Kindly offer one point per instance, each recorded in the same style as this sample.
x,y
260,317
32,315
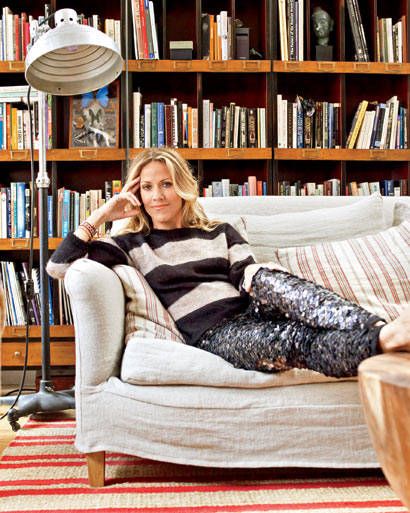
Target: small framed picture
x,y
95,118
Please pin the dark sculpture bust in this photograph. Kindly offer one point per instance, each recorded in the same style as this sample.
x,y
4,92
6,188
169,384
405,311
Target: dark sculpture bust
x,y
322,25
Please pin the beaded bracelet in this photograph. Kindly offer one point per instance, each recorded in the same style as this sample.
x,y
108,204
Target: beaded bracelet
x,y
89,228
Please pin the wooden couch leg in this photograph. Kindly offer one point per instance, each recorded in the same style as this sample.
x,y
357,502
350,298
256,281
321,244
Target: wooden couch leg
x,y
96,469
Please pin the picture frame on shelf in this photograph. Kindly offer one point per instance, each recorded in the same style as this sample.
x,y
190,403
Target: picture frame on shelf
x,y
95,118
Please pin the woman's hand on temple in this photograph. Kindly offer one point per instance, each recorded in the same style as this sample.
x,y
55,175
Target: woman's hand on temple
x,y
123,205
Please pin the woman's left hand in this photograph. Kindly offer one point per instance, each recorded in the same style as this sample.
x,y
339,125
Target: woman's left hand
x,y
252,269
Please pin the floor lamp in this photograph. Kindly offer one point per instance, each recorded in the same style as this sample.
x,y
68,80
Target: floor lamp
x,y
67,60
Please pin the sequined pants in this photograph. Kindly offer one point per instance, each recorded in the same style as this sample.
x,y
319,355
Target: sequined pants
x,y
294,323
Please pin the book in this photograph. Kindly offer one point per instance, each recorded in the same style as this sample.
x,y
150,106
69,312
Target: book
x,y
356,124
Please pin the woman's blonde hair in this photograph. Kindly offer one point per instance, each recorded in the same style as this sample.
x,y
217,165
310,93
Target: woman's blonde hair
x,y
185,185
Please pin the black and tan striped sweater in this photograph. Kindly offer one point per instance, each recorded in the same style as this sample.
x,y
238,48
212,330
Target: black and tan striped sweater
x,y
196,274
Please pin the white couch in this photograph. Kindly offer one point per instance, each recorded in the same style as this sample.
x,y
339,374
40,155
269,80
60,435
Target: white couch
x,y
186,406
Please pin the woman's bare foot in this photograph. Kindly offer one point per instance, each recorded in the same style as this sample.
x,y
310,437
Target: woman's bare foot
x,y
395,336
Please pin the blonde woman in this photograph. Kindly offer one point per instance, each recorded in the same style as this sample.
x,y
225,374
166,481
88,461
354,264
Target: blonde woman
x,y
254,316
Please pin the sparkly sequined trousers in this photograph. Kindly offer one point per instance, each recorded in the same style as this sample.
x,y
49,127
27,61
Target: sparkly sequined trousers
x,y
294,323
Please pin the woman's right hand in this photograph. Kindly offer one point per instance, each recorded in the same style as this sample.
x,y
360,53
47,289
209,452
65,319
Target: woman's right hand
x,y
122,205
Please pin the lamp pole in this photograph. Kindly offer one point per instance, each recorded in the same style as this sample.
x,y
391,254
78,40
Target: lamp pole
x,y
67,60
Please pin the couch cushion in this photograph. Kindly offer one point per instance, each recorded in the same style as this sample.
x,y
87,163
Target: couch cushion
x,y
144,314
152,362
325,224
373,271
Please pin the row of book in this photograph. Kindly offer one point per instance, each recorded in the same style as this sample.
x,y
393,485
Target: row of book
x,y
332,187
14,276
15,118
70,209
306,123
74,207
224,188
291,29
298,188
217,36
233,126
145,31
387,187
379,125
175,124
158,124
391,45
15,30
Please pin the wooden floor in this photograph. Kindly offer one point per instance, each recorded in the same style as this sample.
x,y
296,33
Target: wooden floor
x,y
6,433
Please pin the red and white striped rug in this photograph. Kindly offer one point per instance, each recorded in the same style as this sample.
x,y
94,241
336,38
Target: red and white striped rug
x,y
41,471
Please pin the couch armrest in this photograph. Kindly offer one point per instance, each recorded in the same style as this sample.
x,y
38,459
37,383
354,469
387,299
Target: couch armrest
x,y
98,306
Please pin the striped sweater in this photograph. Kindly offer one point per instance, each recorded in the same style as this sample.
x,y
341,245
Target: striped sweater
x,y
196,274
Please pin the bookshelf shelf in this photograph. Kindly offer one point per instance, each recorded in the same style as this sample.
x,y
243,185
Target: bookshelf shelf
x,y
56,331
200,66
11,67
341,154
220,153
367,68
24,244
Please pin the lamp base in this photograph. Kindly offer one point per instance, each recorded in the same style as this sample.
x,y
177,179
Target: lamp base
x,y
43,401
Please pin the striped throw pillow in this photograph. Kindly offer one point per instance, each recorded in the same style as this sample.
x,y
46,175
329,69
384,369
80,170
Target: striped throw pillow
x,y
372,271
145,316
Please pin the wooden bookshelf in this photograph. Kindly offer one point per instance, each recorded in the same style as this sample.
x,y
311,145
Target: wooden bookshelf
x,y
251,83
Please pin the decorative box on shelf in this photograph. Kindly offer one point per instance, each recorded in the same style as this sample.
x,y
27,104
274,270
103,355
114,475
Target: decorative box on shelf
x,y
181,50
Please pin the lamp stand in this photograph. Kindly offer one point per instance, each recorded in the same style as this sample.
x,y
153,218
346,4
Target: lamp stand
x,y
46,399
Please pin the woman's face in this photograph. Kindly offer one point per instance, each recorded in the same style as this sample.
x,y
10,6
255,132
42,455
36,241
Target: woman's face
x,y
159,198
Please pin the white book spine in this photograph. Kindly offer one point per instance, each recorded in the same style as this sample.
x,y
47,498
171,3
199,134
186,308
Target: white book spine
x,y
117,33
301,29
147,125
137,101
224,34
153,30
395,115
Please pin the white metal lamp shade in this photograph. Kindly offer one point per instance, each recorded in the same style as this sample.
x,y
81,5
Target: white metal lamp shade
x,y
71,58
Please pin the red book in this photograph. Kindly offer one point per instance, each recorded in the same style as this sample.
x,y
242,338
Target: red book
x,y
144,29
252,185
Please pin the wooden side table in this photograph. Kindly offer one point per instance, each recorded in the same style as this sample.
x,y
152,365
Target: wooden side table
x,y
385,391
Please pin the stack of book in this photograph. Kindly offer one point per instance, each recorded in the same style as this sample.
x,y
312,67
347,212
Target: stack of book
x,y
145,32
13,277
158,124
391,45
233,126
379,125
224,188
15,120
109,26
291,29
307,123
15,211
387,187
15,30
327,188
74,207
217,36
359,37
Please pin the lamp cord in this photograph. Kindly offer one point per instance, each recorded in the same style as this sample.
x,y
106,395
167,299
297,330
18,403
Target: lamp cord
x,y
29,285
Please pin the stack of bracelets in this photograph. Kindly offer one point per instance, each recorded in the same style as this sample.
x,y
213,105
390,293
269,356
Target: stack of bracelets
x,y
89,228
